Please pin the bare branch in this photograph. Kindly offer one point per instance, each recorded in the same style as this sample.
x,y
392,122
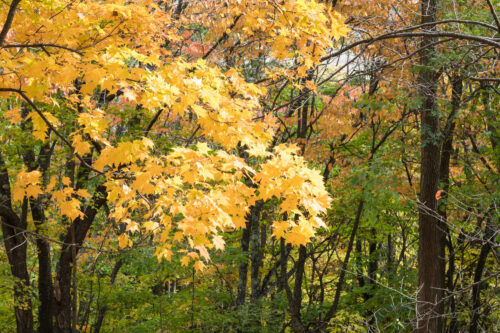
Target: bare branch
x,y
494,13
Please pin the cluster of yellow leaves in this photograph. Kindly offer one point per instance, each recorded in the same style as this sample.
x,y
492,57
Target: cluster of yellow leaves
x,y
202,186
224,104
287,177
79,41
187,196
29,185
298,30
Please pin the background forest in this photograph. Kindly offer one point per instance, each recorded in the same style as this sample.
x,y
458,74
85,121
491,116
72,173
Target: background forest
x,y
249,166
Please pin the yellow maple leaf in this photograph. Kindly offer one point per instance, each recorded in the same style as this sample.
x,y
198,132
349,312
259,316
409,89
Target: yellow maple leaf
x,y
280,228
83,193
132,227
39,126
151,226
71,208
129,94
300,234
66,181
199,265
185,260
27,184
218,242
123,241
81,146
163,252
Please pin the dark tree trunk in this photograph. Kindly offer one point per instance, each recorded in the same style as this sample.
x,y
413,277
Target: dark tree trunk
x,y
358,255
444,178
283,278
255,255
243,269
16,242
489,235
431,235
63,282
295,298
45,288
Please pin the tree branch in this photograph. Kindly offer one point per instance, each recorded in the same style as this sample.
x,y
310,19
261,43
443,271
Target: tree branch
x,y
495,16
41,45
152,122
8,21
407,32
222,38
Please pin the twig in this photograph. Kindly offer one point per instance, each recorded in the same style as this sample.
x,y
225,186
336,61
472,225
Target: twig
x,y
493,12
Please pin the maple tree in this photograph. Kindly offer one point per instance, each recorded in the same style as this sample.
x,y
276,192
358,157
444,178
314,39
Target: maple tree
x,y
73,72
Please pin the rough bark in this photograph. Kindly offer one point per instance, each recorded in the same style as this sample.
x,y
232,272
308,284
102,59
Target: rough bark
x,y
431,235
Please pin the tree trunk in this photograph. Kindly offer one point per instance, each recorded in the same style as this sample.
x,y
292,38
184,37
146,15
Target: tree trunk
x,y
444,178
45,288
15,241
431,235
295,298
255,255
63,282
243,269
283,278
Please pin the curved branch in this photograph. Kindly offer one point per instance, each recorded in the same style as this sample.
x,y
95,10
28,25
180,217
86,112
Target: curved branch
x,y
407,33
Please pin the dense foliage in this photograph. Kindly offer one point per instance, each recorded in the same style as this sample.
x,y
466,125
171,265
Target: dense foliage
x,y
249,166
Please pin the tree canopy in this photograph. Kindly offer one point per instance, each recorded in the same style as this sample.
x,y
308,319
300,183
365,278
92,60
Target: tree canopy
x,y
249,166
